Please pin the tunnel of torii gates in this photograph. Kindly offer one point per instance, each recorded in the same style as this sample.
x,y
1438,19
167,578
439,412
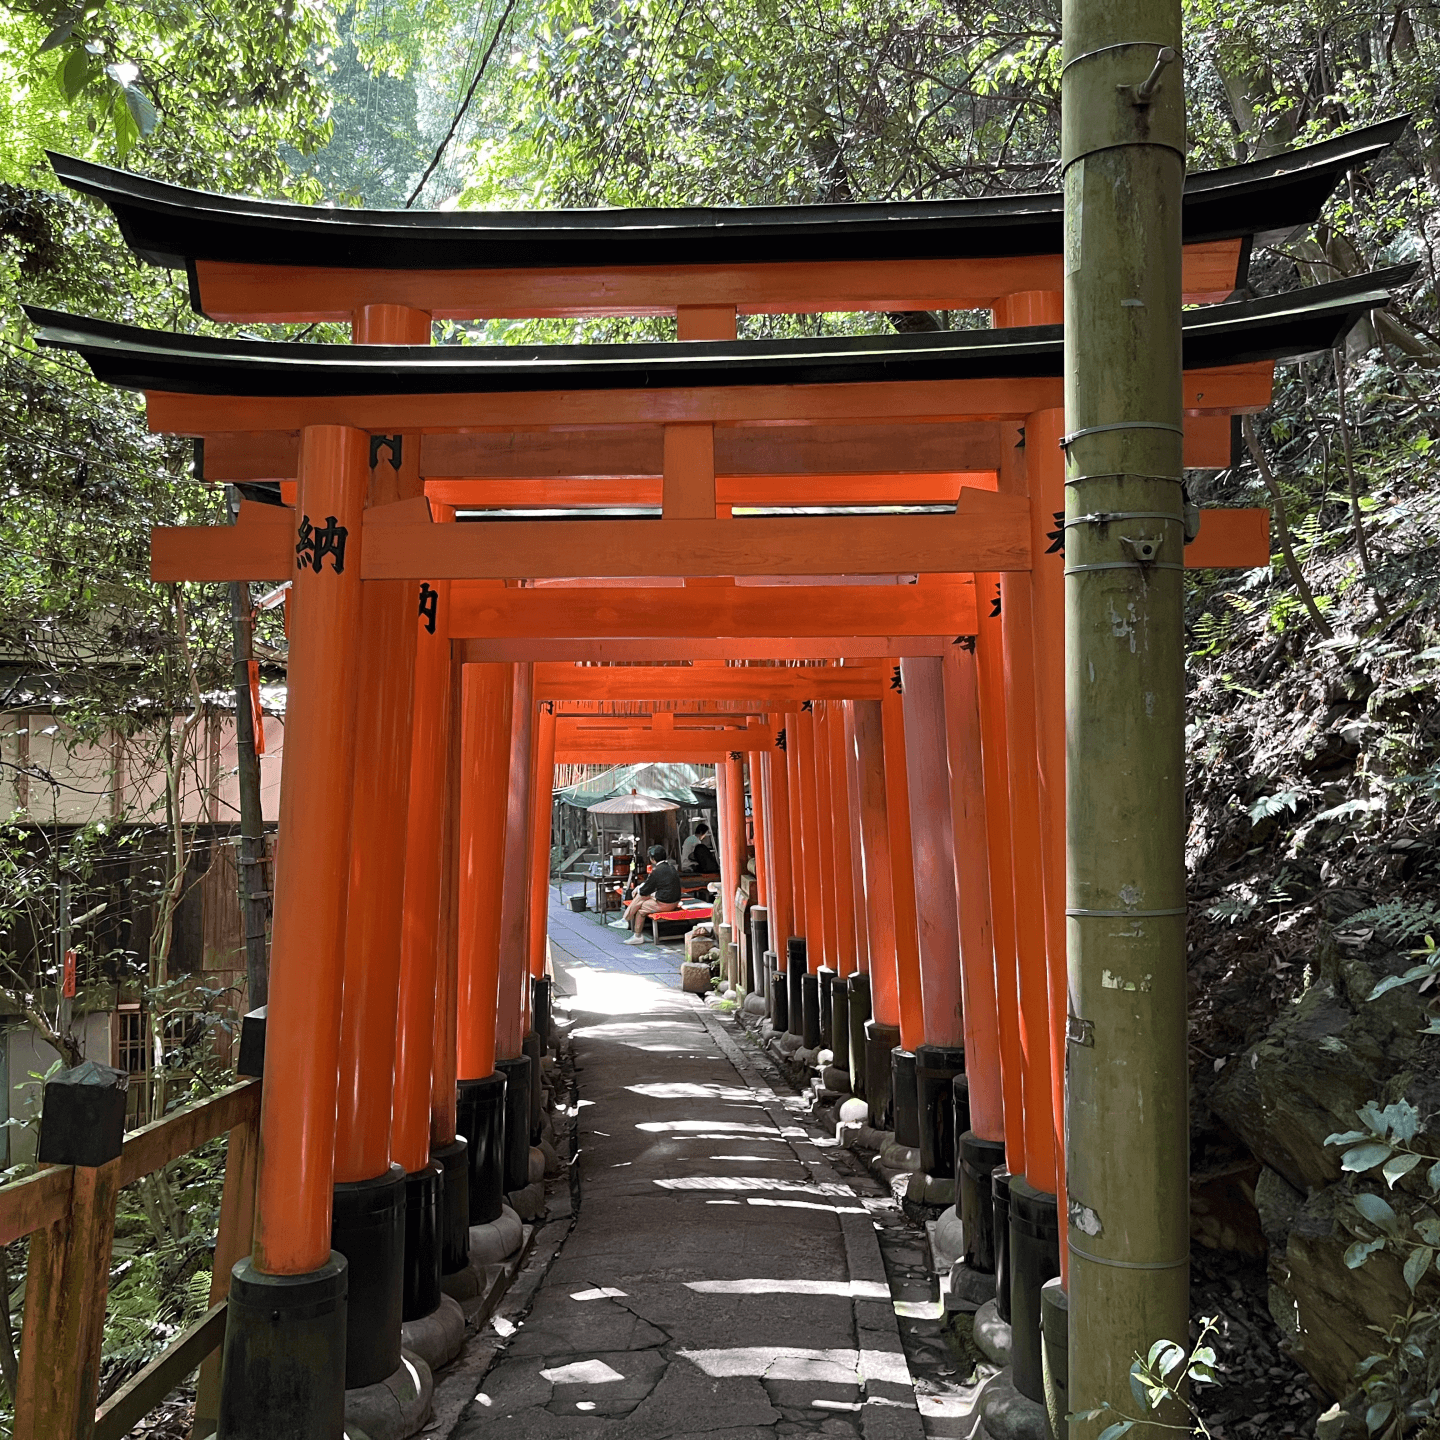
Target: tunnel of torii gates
x,y
661,551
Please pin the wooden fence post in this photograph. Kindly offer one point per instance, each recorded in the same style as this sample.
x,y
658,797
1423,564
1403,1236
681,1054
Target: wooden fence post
x,y
65,1289
233,1240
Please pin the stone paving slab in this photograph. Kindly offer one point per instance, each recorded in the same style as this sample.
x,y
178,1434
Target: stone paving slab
x,y
721,1279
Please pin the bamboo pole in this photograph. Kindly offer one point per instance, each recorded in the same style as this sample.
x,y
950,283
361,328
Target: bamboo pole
x,y
1123,154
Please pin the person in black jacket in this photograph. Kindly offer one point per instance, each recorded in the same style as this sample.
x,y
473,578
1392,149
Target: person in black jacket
x,y
696,856
660,891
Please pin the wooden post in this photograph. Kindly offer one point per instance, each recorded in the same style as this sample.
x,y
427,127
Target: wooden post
x,y
297,1117
232,1242
488,696
902,874
542,794
66,1283
735,806
857,845
839,818
804,739
778,825
825,828
796,806
725,851
444,1068
512,1016
759,823
877,860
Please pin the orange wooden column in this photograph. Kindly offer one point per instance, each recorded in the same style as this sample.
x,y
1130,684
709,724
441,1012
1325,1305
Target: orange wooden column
x,y
972,880
796,806
725,854
803,733
735,806
307,958
759,822
445,1070
825,826
857,844
846,949
990,662
872,798
542,799
778,826
513,1010
932,840
487,697
902,874
425,851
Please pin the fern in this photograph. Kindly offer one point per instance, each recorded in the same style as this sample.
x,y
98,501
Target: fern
x,y
1400,920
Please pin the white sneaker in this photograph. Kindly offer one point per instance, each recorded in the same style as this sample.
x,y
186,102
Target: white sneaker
x,y
636,940
618,924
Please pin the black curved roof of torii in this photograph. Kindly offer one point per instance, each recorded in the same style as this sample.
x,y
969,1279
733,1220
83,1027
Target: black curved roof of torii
x,y
1272,328
173,226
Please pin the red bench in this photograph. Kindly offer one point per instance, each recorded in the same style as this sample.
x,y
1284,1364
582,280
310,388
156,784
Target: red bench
x,y
687,917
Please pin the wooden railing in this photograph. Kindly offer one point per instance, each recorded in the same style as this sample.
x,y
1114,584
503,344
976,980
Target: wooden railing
x,y
69,1213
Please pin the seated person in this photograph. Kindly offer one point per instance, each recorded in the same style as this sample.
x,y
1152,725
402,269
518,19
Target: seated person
x,y
696,856
660,891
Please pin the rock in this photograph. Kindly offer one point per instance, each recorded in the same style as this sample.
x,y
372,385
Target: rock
x,y
553,1164
899,1157
789,1042
755,1004
437,1337
926,1189
854,1110
949,1237
1338,1424
970,1287
395,1407
529,1203
1009,1415
537,1164
824,1056
836,1080
992,1334
695,977
496,1241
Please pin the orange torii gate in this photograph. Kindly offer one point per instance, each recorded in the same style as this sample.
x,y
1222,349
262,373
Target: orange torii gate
x,y
388,443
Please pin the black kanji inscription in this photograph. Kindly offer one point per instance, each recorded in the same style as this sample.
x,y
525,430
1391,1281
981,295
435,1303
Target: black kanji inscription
x,y
429,603
995,603
896,684
315,544
1056,537
780,740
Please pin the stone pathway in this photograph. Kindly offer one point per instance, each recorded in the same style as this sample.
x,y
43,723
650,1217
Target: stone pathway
x,y
587,938
722,1278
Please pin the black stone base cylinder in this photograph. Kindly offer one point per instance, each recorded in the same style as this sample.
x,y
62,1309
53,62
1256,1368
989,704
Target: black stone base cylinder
x,y
1000,1221
454,1160
1034,1259
880,1040
516,1071
480,1118
759,943
979,1159
541,1000
960,1118
795,972
534,1050
368,1229
810,1011
906,1094
283,1365
936,1067
859,988
840,1024
1055,1341
779,996
424,1223
827,978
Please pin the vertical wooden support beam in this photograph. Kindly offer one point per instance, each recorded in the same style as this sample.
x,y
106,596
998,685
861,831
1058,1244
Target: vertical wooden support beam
x,y
932,839
444,1070
846,948
871,794
302,1051
542,795
990,662
902,874
804,739
705,322
857,844
488,693
725,852
512,1015
688,490
799,911
735,808
779,826
825,828
968,811
232,1242
759,822
66,1282
425,852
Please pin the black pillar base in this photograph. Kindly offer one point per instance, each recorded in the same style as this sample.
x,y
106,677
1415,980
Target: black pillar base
x,y
1034,1259
795,971
810,1012
516,1071
779,996
840,1024
859,988
755,965
936,1067
454,1159
480,1118
368,1229
979,1159
541,1007
906,1097
1000,1221
880,1040
283,1368
827,979
424,1225
534,1049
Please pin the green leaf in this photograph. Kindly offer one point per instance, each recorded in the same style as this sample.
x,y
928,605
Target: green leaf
x,y
141,110
75,73
1137,1382
1348,1137
1365,1157
1115,1431
1168,1356
1361,1251
1429,1228
1417,1264
1397,1166
61,33
1433,1178
1378,1414
1377,1212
